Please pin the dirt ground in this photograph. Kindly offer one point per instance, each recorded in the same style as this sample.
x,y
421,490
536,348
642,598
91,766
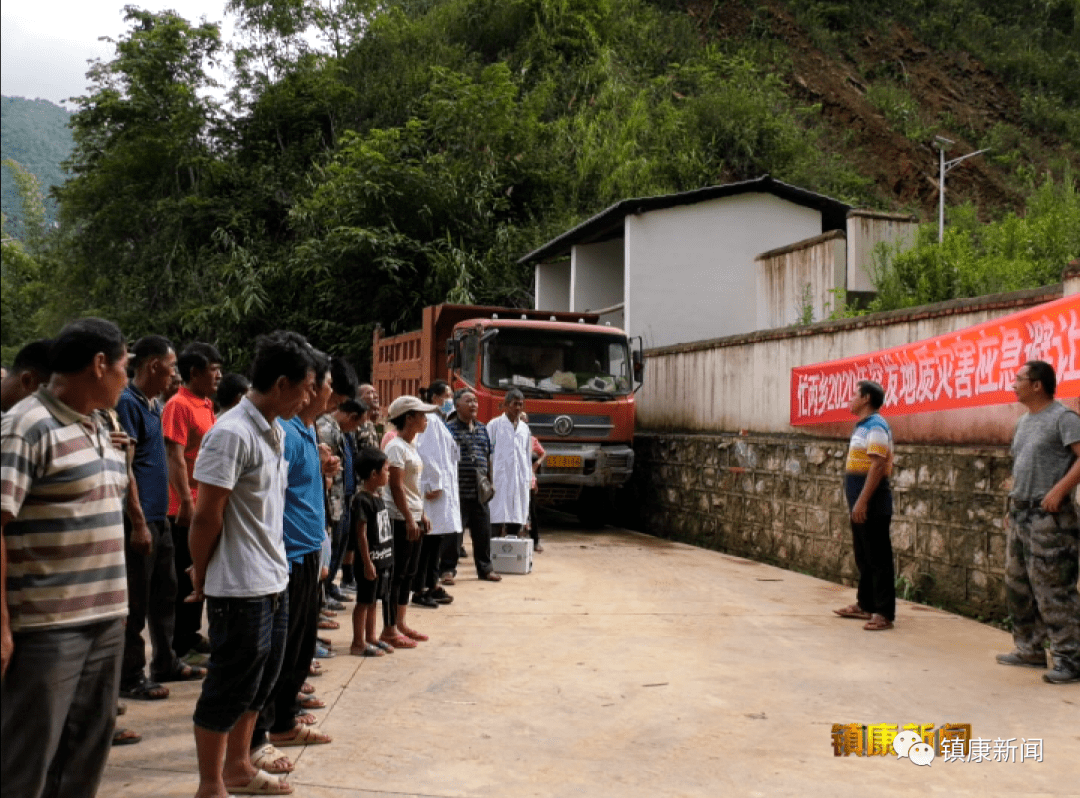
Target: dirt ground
x,y
626,665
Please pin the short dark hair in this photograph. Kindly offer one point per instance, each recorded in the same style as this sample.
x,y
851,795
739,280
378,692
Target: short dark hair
x,y
34,357
232,387
149,346
872,391
513,394
197,356
77,344
343,377
368,461
353,407
322,365
280,354
1042,372
399,422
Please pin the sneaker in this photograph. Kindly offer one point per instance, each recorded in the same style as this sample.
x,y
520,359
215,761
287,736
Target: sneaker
x,y
334,605
335,593
424,600
349,588
1023,660
1061,676
441,596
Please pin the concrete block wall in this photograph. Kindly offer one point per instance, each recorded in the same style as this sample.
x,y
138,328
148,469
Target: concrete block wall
x,y
778,499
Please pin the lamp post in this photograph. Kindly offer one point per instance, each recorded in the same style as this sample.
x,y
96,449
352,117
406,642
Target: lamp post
x,y
944,167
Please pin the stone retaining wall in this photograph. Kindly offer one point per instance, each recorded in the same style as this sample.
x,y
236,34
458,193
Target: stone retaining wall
x,y
778,499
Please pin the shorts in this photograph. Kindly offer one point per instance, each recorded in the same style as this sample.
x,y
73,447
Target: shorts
x,y
368,591
247,643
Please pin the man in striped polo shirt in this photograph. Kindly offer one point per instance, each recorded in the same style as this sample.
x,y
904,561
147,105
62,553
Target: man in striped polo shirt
x,y
62,488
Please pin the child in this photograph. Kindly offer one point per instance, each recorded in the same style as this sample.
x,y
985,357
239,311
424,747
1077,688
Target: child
x,y
374,535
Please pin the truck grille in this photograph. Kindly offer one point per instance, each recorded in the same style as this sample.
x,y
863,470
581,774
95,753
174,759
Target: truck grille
x,y
585,427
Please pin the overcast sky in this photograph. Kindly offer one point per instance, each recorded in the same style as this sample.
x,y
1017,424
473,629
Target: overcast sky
x,y
46,44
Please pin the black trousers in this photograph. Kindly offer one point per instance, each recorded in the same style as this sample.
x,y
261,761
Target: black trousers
x,y
279,714
406,561
475,516
874,558
151,581
188,614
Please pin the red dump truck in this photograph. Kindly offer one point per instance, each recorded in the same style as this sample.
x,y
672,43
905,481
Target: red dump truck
x,y
578,377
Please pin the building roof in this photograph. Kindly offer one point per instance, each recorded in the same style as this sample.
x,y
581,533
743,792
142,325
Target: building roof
x,y
609,223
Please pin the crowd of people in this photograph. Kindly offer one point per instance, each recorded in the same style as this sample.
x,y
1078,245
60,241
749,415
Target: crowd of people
x,y
230,518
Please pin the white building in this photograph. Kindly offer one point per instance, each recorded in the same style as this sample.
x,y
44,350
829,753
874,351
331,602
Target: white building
x,y
716,261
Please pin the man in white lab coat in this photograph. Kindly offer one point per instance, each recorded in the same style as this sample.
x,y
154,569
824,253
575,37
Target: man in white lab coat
x,y
439,487
511,443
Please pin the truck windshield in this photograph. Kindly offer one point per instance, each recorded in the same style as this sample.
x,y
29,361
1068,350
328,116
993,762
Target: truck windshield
x,y
557,362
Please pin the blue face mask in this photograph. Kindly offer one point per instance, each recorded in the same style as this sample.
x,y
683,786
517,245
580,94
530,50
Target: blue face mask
x,y
447,407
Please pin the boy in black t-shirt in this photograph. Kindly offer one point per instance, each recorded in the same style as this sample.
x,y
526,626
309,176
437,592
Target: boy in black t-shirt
x,y
374,560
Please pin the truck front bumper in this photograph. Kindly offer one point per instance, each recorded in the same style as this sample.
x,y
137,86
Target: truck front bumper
x,y
585,465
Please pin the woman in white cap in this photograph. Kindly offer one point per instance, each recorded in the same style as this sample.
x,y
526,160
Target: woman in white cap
x,y
405,503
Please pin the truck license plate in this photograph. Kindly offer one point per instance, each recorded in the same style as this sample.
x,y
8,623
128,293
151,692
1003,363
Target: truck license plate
x,y
563,461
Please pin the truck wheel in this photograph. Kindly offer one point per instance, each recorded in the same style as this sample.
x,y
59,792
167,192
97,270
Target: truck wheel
x,y
595,508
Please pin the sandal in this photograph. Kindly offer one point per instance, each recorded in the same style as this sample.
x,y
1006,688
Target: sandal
x,y
125,737
367,650
307,688
306,719
145,690
853,611
326,623
304,736
262,783
315,669
878,624
272,760
386,647
311,702
400,641
183,672
415,635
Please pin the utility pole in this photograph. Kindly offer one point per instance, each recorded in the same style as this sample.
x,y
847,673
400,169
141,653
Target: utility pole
x,y
944,167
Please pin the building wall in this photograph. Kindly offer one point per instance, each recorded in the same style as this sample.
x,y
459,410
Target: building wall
x,y
865,230
597,276
552,288
777,499
743,382
799,279
690,271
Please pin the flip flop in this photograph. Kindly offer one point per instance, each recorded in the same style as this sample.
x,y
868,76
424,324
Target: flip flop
x,y
853,611
305,736
315,669
386,647
878,625
125,737
268,757
145,690
311,702
184,673
306,719
326,623
307,689
400,641
262,783
415,635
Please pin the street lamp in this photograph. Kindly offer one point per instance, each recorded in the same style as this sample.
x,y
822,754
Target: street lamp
x,y
944,167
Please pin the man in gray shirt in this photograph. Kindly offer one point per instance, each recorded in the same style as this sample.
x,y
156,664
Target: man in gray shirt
x,y
238,561
1042,560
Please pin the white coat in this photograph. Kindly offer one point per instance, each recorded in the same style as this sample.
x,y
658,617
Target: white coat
x,y
440,453
511,466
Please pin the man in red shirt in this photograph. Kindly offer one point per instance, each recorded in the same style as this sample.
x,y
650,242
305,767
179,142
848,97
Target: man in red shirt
x,y
186,419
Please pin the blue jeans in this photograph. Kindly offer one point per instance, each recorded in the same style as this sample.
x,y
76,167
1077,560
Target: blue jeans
x,y
247,643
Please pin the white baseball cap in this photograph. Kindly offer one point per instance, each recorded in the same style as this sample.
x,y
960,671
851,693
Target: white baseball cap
x,y
406,404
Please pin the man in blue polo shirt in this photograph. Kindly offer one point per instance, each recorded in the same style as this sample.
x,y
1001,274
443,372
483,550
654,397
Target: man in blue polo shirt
x,y
149,546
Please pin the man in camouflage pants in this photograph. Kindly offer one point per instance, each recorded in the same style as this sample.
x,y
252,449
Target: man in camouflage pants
x,y
1042,561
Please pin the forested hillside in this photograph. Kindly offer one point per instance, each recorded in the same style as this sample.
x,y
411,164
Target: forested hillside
x,y
425,145
35,135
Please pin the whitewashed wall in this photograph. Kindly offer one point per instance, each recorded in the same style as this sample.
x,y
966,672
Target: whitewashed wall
x,y
865,230
552,289
743,382
690,272
597,276
803,273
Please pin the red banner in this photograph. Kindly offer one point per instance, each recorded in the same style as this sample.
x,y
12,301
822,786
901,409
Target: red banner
x,y
969,368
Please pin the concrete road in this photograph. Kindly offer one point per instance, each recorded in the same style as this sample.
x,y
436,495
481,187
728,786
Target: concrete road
x,y
630,666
